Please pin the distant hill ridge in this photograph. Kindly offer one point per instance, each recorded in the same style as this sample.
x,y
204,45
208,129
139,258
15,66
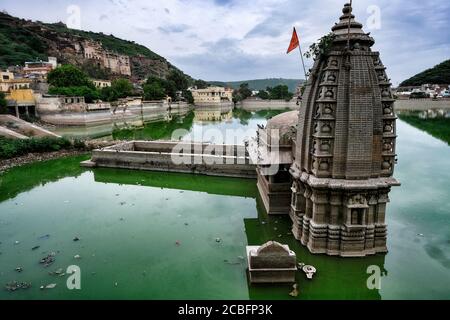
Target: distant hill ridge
x,y
261,84
439,74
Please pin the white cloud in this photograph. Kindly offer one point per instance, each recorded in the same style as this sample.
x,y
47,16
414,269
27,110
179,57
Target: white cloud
x,y
233,39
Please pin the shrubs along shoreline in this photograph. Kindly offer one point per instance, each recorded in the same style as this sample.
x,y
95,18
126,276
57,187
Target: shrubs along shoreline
x,y
18,152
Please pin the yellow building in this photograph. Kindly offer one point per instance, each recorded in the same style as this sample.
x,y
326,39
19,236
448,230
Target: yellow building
x,y
212,96
22,97
8,82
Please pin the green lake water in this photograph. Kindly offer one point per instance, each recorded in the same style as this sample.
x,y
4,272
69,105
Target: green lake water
x,y
147,235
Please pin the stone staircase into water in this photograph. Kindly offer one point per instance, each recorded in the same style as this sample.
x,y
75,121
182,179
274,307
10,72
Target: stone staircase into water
x,y
14,128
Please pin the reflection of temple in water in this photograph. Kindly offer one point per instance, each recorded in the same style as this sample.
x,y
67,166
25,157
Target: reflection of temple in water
x,y
335,279
213,114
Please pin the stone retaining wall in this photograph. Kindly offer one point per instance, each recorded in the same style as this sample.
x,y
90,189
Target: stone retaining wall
x,y
52,110
421,104
259,104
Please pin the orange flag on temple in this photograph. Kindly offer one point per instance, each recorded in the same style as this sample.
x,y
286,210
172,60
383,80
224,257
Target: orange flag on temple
x,y
294,42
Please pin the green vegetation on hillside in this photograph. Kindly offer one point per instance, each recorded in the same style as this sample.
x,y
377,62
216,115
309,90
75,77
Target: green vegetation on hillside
x,y
261,84
109,42
437,127
22,41
18,45
439,74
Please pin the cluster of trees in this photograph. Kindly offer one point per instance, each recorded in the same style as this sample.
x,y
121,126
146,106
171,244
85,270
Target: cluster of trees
x,y
280,92
71,81
175,86
2,103
242,93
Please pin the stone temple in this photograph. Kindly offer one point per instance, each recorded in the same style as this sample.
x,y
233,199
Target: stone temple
x,y
343,150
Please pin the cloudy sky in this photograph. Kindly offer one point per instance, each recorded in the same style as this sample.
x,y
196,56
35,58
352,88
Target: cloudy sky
x,y
241,39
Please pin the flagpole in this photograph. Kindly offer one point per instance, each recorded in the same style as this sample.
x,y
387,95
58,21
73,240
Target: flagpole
x,y
303,61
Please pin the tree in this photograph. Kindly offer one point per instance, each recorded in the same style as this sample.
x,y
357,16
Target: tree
x,y
201,84
179,79
280,92
3,103
154,91
122,88
244,91
68,80
322,47
89,94
188,96
68,76
263,94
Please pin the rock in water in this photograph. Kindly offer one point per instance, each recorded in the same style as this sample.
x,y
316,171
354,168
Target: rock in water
x,y
295,292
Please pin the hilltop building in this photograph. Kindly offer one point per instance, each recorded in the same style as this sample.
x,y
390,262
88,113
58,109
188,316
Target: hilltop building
x,y
117,63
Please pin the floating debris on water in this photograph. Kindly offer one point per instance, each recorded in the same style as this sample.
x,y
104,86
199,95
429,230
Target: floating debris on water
x,y
35,248
48,260
77,257
18,269
58,272
45,237
218,240
295,292
76,239
16,242
49,286
178,243
123,203
310,271
15,285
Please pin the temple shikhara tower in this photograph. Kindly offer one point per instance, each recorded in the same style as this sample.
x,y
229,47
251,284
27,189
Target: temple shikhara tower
x,y
345,148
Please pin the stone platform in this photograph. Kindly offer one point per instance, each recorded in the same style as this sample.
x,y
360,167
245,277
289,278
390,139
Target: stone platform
x,y
182,157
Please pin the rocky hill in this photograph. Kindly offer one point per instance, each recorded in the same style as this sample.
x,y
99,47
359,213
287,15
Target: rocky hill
x,y
101,56
439,74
